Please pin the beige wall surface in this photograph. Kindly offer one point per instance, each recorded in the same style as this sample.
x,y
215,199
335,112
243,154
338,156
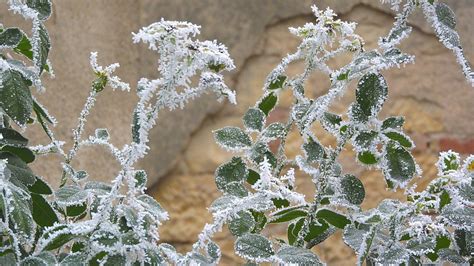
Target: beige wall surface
x,y
432,94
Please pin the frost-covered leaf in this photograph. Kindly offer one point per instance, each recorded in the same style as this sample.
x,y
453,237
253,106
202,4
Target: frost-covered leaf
x,y
365,139
288,215
267,103
40,187
466,192
20,174
260,151
445,15
44,45
294,229
371,93
352,189
233,171
314,150
277,83
213,251
260,221
465,241
396,254
33,261
458,216
48,257
274,131
254,119
10,37
448,161
331,122
400,165
56,236
253,247
104,238
360,240
222,203
15,96
20,213
232,138
98,188
12,137
367,157
140,179
243,223
24,153
236,188
399,137
74,259
393,122
297,256
152,206
102,133
43,7
43,213
420,246
334,218
451,255
70,195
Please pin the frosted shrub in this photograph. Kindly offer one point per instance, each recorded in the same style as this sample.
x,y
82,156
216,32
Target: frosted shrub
x,y
89,222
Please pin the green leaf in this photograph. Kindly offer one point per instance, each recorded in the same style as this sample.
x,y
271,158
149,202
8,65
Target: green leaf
x,y
441,242
444,199
213,251
43,213
20,213
286,216
332,121
343,76
293,230
352,189
10,37
233,171
44,45
267,103
18,169
253,247
314,150
360,240
371,93
458,216
33,261
445,15
399,137
15,96
260,221
365,139
260,151
25,154
334,218
277,83
464,240
297,256
393,122
56,236
105,239
140,179
243,223
367,157
274,131
400,166
12,137
316,229
152,206
24,47
280,203
70,195
76,210
253,177
232,138
43,7
254,119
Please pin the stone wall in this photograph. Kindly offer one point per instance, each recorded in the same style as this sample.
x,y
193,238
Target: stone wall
x,y
432,94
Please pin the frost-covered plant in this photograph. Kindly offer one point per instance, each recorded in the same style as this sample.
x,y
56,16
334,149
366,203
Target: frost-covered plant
x,y
89,222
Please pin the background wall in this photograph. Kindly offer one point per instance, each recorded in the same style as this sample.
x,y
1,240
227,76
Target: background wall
x,y
433,95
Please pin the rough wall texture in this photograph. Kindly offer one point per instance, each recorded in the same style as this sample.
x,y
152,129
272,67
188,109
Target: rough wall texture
x,y
432,94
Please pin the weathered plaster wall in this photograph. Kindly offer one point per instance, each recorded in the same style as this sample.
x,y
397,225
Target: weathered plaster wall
x,y
432,94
